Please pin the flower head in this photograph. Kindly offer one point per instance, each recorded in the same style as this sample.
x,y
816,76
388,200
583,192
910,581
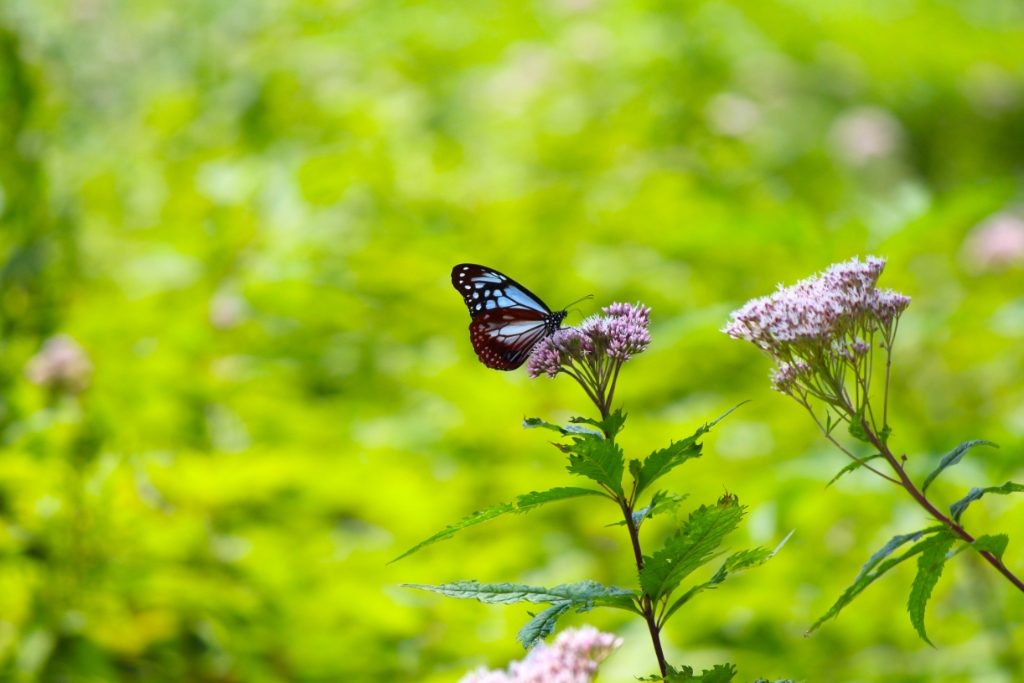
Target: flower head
x,y
997,242
593,353
819,309
60,364
617,335
572,658
822,325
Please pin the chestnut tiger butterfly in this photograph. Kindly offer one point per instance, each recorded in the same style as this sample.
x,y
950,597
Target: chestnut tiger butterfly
x,y
508,320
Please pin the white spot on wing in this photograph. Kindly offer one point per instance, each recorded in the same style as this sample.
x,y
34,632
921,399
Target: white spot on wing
x,y
512,329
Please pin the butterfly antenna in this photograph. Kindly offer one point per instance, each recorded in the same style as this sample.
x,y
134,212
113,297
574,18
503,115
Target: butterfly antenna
x,y
588,296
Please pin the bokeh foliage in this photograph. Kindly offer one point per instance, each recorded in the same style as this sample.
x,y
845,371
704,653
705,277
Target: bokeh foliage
x,y
247,212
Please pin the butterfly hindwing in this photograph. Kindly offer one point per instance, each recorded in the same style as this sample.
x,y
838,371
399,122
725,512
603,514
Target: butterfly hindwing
x,y
508,319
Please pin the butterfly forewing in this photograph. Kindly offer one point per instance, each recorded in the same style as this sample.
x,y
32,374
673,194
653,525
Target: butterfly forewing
x,y
508,319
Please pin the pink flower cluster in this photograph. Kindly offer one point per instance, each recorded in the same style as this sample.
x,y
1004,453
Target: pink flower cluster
x,y
619,334
572,658
825,319
60,364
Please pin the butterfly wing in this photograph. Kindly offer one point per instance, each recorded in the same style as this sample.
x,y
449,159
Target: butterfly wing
x,y
508,319
503,340
485,289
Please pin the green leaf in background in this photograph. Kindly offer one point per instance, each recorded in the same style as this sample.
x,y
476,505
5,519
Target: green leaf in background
x,y
929,569
995,544
953,457
541,625
661,501
744,559
661,462
957,508
598,459
524,503
692,546
863,580
851,467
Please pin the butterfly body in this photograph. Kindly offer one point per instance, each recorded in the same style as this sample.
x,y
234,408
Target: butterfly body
x,y
508,320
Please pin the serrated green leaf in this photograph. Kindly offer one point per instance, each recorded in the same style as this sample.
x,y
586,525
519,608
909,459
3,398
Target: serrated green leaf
x,y
589,593
851,467
533,499
929,569
891,545
598,459
744,559
535,422
719,673
475,518
609,426
661,501
862,582
661,462
542,625
953,457
693,545
995,544
524,503
957,508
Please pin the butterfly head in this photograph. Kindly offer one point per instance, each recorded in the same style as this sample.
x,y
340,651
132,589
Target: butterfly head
x,y
553,322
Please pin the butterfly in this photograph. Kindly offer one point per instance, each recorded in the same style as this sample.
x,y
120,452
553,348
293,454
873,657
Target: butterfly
x,y
508,319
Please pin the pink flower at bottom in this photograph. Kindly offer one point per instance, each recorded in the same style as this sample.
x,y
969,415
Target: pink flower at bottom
x,y
572,658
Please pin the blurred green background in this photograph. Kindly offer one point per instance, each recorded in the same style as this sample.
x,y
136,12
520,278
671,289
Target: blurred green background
x,y
246,213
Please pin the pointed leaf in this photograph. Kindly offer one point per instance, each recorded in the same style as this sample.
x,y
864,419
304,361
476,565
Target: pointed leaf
x,y
661,462
891,546
475,518
953,457
957,508
542,625
534,422
609,426
576,594
533,499
693,545
862,582
745,559
995,544
598,459
719,673
929,569
524,503
851,467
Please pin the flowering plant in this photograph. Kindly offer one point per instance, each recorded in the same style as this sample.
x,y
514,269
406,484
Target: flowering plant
x,y
831,337
593,355
572,658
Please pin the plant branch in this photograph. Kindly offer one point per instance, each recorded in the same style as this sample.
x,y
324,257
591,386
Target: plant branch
x,y
923,501
646,606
